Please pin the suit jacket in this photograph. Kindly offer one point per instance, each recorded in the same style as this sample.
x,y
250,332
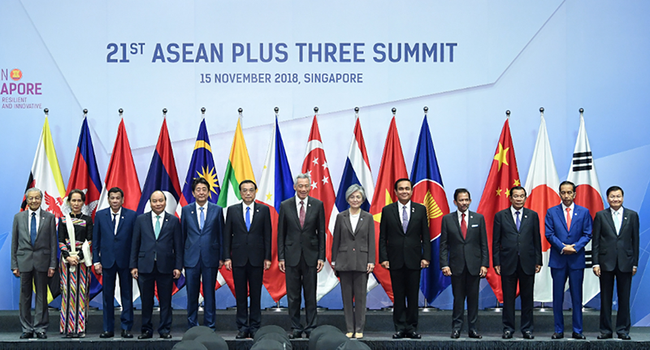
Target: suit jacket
x,y
557,234
353,250
404,249
610,249
294,240
510,245
111,248
166,251
42,255
202,245
241,245
456,252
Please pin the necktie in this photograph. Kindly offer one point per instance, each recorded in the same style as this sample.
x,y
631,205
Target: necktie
x,y
302,213
405,219
463,226
32,229
568,219
156,230
517,221
114,223
248,218
201,218
617,222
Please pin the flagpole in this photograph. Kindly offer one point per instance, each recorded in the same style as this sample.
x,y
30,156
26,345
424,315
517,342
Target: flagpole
x,y
164,110
120,111
203,112
394,110
356,113
46,111
85,113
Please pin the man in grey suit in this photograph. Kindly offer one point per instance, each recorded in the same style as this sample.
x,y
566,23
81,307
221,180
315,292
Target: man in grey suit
x,y
33,259
301,251
615,251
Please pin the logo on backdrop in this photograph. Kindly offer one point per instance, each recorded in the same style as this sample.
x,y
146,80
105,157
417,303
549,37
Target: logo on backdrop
x,y
17,93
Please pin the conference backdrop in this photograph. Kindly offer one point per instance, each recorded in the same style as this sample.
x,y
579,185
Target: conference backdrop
x,y
467,61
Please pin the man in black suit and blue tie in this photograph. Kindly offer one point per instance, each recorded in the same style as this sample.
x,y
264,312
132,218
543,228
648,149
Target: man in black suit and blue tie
x,y
156,260
517,257
202,226
464,257
615,250
112,239
247,252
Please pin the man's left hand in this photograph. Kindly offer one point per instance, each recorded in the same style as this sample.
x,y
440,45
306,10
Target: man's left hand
x,y
177,274
424,264
320,265
267,264
483,272
50,272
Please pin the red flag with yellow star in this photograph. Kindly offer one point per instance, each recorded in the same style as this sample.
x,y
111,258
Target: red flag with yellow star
x,y
496,194
392,168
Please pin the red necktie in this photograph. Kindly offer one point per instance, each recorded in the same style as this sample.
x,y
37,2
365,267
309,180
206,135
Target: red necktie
x,y
568,219
463,226
302,214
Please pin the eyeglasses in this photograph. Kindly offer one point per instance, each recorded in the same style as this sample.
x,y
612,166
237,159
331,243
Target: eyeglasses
x,y
33,199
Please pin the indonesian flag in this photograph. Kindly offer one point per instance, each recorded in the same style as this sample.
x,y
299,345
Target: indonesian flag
x,y
588,195
275,186
315,164
46,176
121,173
238,169
392,168
496,194
542,185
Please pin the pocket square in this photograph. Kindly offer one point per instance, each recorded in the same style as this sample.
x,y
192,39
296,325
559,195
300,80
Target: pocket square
x,y
474,225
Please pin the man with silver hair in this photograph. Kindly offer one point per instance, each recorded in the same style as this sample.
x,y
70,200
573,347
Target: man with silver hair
x,y
33,260
301,251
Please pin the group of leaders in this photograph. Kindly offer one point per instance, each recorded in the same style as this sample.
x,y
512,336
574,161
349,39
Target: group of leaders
x,y
154,247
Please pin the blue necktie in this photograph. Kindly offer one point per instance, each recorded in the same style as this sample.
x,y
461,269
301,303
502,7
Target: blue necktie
x,y
405,219
201,218
517,221
157,227
248,218
32,229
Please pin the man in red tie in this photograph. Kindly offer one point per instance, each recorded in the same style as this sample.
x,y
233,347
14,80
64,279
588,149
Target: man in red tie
x,y
464,257
568,230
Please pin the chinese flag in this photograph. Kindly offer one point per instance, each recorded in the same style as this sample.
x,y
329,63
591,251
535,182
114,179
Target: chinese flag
x,y
496,194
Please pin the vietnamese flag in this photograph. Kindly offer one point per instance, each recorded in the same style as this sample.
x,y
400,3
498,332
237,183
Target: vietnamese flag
x,y
496,194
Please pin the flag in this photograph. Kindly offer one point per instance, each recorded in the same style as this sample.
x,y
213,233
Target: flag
x,y
315,164
238,169
275,186
496,194
583,175
85,176
391,169
357,171
162,176
201,165
121,173
542,186
46,176
429,191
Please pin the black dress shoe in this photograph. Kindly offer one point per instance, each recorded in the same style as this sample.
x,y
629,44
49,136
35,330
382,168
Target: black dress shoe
x,y
399,335
624,336
474,334
528,335
166,335
106,335
557,335
507,335
295,335
413,335
145,335
27,335
455,334
41,335
605,336
126,334
578,336
241,335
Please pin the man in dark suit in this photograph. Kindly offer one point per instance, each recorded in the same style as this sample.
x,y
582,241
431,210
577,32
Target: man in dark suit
x,y
301,251
202,226
464,257
615,250
156,257
404,250
568,230
33,259
112,239
517,257
247,252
